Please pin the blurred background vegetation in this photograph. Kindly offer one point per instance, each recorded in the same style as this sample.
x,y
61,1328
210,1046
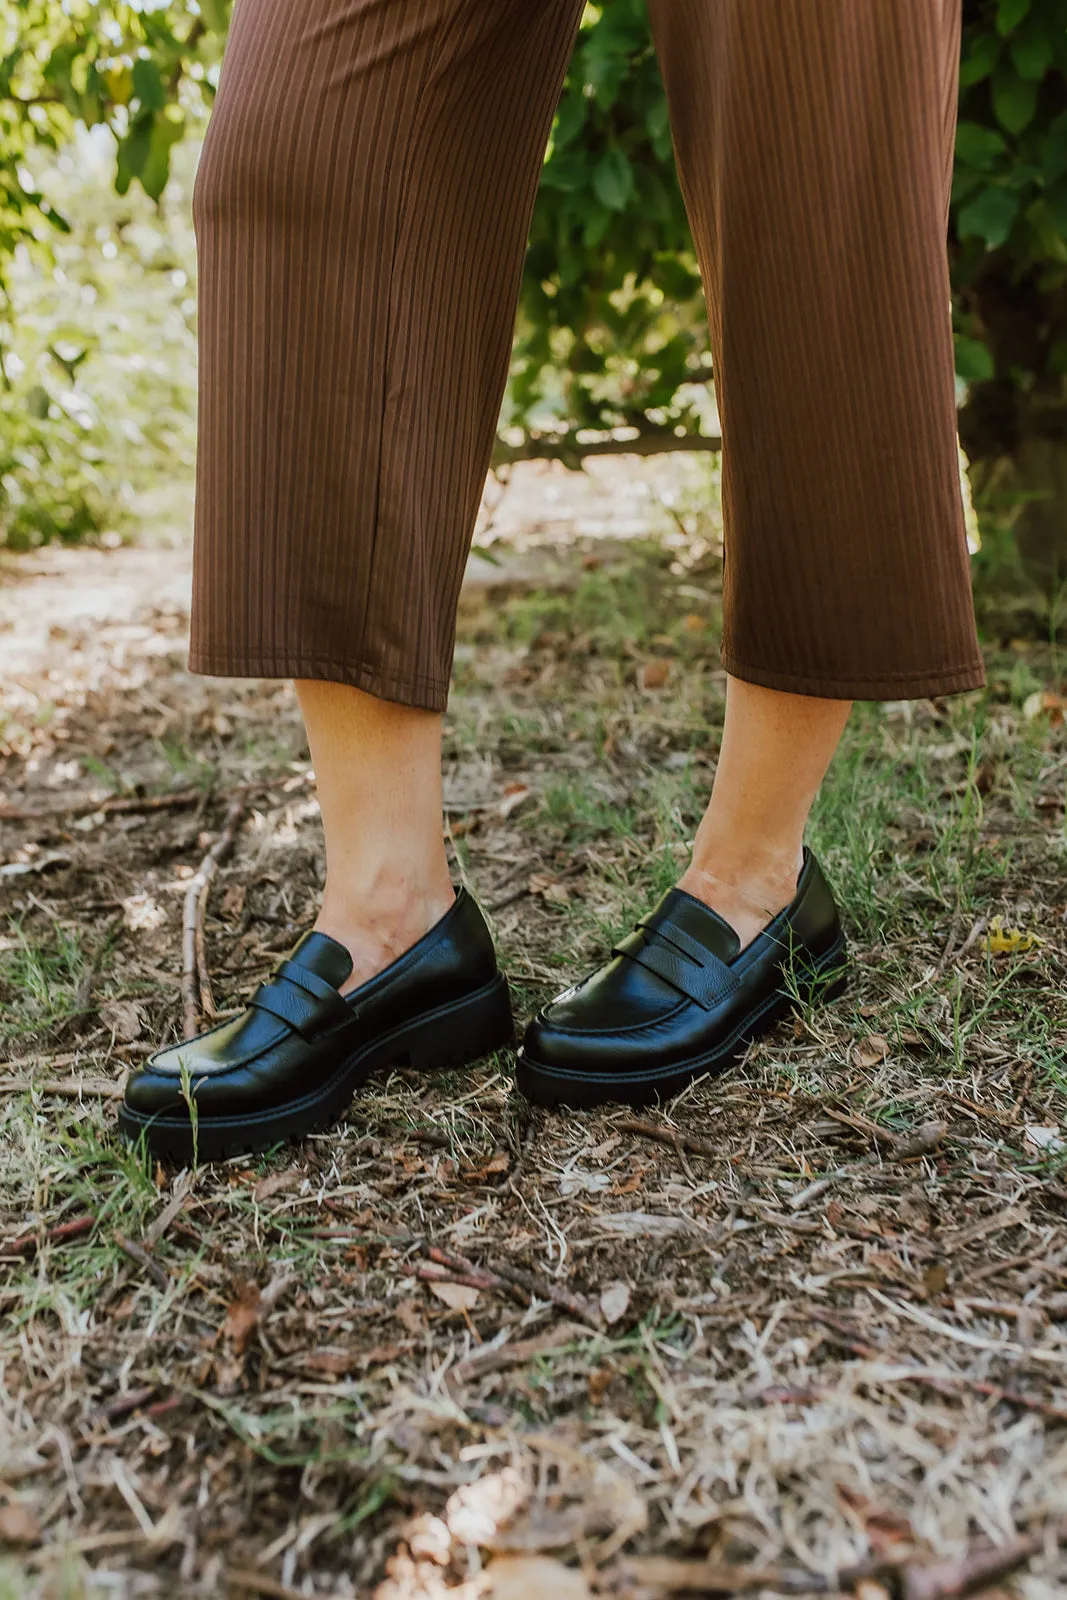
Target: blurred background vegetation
x,y
102,107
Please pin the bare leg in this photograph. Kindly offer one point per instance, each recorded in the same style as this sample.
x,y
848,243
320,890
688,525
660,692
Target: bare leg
x,y
378,768
775,751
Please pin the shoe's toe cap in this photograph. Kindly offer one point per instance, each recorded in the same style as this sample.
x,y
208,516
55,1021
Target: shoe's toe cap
x,y
160,1087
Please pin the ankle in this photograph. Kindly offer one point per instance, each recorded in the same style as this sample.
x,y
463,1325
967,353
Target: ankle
x,y
380,919
747,891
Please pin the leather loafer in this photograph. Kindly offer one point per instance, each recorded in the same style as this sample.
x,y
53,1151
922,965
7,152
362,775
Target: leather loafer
x,y
679,998
289,1063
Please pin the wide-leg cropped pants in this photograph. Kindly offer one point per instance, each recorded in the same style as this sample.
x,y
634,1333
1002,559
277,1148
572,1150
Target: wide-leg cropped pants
x,y
362,206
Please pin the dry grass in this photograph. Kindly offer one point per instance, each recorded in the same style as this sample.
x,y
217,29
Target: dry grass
x,y
808,1319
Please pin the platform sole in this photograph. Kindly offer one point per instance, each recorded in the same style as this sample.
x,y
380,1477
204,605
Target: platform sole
x,y
823,980
452,1036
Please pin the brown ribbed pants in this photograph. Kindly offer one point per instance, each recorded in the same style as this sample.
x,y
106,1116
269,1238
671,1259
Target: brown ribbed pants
x,y
362,206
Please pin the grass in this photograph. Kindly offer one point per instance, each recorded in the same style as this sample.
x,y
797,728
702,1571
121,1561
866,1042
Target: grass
x,y
249,1369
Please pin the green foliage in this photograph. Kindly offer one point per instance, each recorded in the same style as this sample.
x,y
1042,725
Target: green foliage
x,y
87,395
612,328
98,379
1010,186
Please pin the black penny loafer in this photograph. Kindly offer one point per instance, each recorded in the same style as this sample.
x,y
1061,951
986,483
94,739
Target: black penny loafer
x,y
290,1062
678,999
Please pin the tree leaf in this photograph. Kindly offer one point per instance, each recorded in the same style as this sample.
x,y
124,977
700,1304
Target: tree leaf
x,y
148,84
979,147
1054,149
1014,101
974,360
613,180
1010,13
1031,51
980,56
990,216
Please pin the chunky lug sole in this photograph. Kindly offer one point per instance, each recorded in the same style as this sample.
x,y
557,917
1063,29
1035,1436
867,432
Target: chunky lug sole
x,y
823,979
452,1036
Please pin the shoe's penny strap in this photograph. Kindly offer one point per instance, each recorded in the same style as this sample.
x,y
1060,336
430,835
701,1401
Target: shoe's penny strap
x,y
302,999
681,961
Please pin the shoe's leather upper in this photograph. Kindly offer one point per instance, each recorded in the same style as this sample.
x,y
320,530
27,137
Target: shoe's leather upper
x,y
679,985
298,1029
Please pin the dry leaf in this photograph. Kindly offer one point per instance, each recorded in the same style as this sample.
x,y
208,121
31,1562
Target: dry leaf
x,y
870,1051
276,1183
19,1524
598,1383
613,1302
1001,941
535,1578
407,1314
498,1163
1045,1138
233,901
123,1017
512,799
336,1363
654,674
460,1296
935,1277
549,888
1043,703
242,1316
694,623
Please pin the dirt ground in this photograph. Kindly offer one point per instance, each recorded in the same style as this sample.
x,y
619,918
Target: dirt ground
x,y
801,1331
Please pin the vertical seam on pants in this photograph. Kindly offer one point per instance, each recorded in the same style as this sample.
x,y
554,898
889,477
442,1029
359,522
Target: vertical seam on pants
x,y
433,56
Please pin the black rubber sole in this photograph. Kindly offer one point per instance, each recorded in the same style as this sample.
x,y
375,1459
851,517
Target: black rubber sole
x,y
824,980
452,1036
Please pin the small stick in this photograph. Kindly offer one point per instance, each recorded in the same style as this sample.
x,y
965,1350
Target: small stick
x,y
125,1404
120,803
67,1088
925,1139
976,1570
142,1259
669,1136
475,1277
528,1282
944,1385
180,799
194,957
259,1583
29,1244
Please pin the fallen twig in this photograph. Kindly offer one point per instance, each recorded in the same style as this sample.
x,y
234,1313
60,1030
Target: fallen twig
x,y
142,1258
126,803
670,1136
120,803
925,1139
117,1409
975,1570
942,1580
68,1088
527,1281
943,1384
259,1583
196,981
28,1244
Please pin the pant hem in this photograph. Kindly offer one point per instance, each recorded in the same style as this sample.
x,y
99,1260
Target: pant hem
x,y
426,694
889,686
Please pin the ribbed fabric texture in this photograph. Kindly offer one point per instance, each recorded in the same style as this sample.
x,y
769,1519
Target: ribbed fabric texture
x,y
362,206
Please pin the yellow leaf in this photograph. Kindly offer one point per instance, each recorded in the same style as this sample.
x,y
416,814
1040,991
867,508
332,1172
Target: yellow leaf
x,y
1000,941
